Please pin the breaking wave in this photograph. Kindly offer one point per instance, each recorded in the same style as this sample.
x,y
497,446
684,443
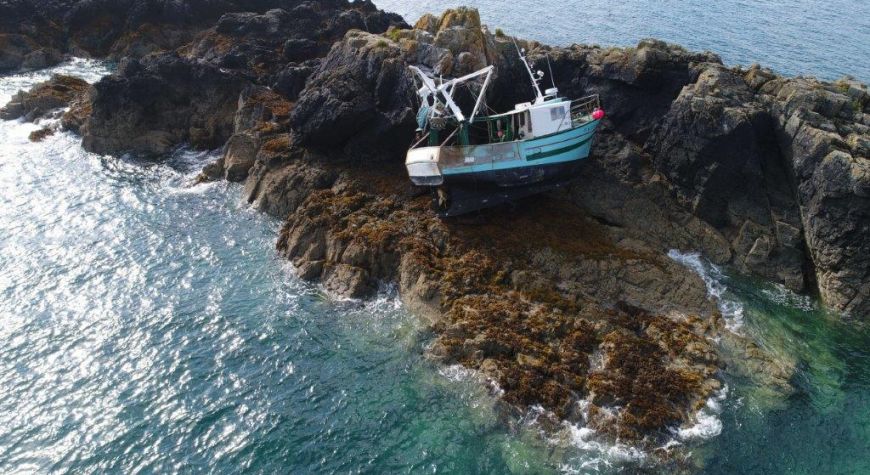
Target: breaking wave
x,y
714,279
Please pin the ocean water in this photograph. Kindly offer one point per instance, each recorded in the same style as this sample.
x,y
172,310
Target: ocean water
x,y
147,326
827,39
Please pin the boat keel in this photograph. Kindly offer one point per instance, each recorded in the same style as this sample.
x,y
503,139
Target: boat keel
x,y
454,200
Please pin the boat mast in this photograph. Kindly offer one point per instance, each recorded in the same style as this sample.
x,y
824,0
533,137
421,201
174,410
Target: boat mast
x,y
522,52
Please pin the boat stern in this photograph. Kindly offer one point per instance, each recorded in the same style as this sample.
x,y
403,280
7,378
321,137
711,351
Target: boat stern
x,y
422,165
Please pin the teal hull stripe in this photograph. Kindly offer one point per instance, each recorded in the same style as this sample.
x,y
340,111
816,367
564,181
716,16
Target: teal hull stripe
x,y
563,157
558,151
560,147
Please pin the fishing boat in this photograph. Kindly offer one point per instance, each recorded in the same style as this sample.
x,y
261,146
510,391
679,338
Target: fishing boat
x,y
474,161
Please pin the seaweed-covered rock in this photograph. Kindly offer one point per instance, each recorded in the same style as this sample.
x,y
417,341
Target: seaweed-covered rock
x,y
512,298
44,98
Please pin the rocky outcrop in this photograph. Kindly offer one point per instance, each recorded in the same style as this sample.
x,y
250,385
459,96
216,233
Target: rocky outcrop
x,y
824,135
717,147
19,52
690,158
48,100
260,133
277,46
44,98
153,105
779,166
360,100
190,95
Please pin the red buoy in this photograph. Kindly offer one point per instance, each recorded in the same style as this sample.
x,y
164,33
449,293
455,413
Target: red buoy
x,y
598,114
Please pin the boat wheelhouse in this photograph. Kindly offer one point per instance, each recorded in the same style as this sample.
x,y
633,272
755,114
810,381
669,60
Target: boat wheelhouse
x,y
479,161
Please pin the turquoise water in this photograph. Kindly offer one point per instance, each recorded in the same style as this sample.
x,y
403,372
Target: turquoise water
x,y
147,326
822,423
827,39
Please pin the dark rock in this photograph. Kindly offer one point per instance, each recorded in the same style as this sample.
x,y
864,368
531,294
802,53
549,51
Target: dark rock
x,y
19,52
36,34
299,49
360,101
259,45
149,107
290,81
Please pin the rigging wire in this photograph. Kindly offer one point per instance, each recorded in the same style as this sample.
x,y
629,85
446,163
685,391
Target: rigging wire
x,y
552,78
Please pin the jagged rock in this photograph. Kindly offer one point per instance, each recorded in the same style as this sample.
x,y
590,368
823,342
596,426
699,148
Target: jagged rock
x,y
259,45
44,98
151,106
35,34
241,152
831,181
290,81
717,148
459,31
360,101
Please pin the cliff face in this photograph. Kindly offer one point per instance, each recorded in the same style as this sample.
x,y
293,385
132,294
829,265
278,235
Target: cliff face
x,y
780,166
565,297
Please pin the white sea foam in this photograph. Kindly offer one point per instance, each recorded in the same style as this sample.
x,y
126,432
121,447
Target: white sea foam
x,y
783,296
707,423
460,374
732,310
598,454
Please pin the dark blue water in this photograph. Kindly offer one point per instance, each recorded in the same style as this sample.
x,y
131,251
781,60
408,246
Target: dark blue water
x,y
827,39
147,326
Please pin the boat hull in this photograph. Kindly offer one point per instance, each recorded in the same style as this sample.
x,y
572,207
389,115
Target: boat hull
x,y
466,193
508,164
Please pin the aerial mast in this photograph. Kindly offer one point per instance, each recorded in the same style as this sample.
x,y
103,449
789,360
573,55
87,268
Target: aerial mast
x,y
522,52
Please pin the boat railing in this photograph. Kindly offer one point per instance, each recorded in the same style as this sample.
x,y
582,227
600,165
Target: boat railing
x,y
581,109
